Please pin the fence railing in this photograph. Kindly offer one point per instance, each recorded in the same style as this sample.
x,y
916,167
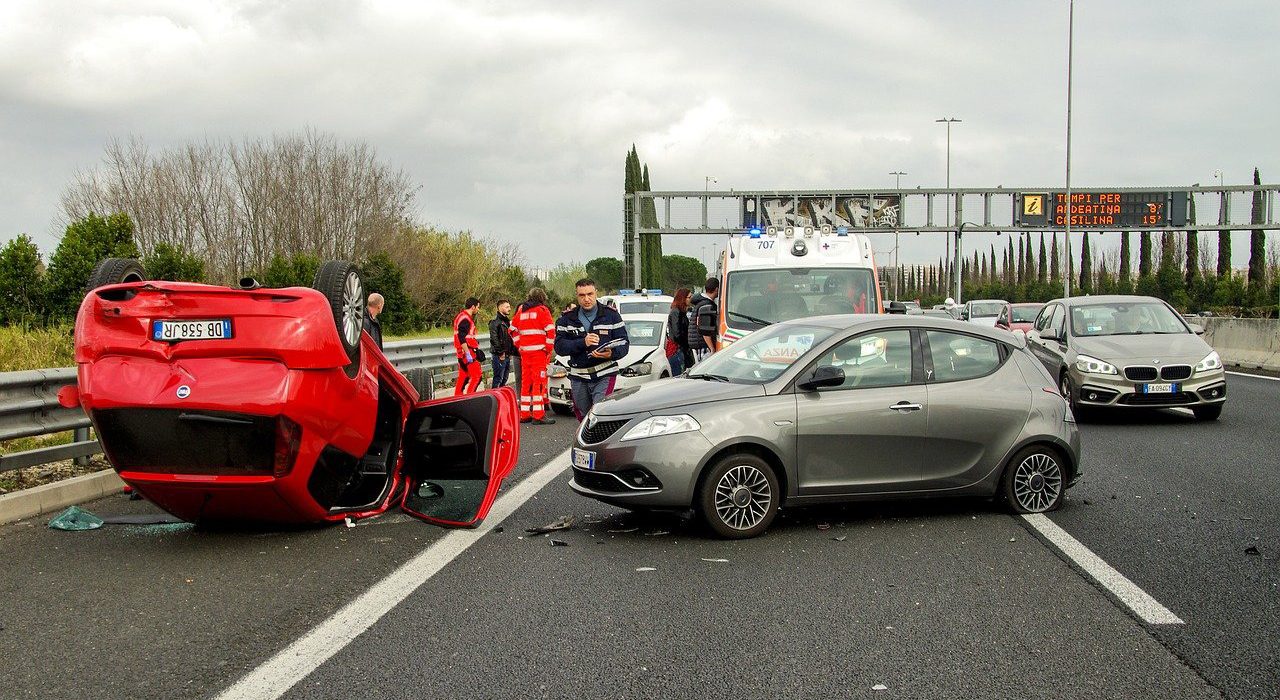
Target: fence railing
x,y
29,401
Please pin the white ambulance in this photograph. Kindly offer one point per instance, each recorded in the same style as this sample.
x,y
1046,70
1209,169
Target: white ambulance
x,y
783,272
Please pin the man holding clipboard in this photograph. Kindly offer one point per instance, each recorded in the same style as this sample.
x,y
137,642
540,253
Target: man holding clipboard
x,y
594,338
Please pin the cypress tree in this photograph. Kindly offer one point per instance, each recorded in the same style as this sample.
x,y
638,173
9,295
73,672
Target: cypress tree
x,y
1257,248
1010,266
1224,247
1086,266
1193,247
1021,274
630,182
651,245
1124,271
992,275
1042,272
1055,275
1144,254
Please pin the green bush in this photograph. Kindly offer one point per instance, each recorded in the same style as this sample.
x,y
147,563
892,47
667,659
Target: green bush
x,y
166,262
21,293
400,315
85,243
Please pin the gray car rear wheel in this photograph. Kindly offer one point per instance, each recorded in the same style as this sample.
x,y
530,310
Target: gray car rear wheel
x,y
739,496
1035,480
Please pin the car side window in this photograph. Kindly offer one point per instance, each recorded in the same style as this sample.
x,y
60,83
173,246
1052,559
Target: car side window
x,y
872,359
1058,320
1042,319
957,356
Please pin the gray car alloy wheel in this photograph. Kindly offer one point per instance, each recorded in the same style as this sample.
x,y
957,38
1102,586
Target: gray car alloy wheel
x,y
1037,482
743,497
352,309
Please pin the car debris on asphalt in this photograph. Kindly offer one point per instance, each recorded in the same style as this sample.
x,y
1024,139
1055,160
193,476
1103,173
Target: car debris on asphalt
x,y
75,519
563,523
559,543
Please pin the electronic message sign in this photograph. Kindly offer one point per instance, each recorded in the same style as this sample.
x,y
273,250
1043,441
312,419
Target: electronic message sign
x,y
1101,209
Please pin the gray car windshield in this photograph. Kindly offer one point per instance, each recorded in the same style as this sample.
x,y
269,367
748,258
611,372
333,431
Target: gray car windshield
x,y
985,309
644,332
761,356
1125,318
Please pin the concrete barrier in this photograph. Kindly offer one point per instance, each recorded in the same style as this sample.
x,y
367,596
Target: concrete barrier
x,y
1244,342
41,500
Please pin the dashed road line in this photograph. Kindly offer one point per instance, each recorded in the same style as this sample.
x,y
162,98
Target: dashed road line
x,y
1133,597
296,661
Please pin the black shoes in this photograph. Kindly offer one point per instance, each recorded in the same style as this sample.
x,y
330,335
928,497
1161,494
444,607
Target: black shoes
x,y
544,421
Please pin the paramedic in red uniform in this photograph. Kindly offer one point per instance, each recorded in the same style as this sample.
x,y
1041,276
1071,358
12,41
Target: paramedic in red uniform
x,y
470,357
534,332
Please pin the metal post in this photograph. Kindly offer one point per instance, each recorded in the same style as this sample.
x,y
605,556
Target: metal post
x,y
950,196
1066,277
635,226
955,265
897,184
81,435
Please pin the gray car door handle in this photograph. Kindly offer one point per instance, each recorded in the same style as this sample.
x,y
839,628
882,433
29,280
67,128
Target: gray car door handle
x,y
904,406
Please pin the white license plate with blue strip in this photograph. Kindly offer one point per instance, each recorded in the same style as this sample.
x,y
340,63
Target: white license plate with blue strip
x,y
199,329
583,459
1160,388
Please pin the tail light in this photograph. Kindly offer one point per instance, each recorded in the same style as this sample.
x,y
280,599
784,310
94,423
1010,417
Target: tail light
x,y
288,440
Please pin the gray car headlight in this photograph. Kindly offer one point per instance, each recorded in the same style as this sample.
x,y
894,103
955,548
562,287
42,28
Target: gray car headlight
x,y
1092,365
557,372
662,425
1210,362
639,369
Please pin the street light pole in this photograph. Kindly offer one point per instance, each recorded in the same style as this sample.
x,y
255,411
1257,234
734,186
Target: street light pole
x,y
1071,23
950,201
897,272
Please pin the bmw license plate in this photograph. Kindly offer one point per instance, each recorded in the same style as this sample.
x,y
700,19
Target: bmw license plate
x,y
206,329
583,459
1159,388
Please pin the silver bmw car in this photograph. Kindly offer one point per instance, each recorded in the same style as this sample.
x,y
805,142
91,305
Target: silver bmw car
x,y
835,408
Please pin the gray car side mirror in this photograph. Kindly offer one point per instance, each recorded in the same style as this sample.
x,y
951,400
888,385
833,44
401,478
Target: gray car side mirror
x,y
826,375
1196,328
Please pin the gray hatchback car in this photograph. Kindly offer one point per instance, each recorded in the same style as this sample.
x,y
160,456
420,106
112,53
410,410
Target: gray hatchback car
x,y
835,408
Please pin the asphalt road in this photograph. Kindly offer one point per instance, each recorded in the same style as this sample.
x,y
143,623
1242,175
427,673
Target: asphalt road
x,y
930,599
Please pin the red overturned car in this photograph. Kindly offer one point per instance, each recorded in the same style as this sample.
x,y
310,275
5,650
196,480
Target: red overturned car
x,y
254,404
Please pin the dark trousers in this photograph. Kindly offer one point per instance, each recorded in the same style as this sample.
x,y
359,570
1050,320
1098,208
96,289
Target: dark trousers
x,y
501,368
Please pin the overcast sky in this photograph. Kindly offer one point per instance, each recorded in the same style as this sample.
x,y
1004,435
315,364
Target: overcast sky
x,y
515,117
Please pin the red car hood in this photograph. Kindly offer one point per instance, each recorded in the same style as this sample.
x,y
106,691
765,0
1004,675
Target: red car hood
x,y
294,325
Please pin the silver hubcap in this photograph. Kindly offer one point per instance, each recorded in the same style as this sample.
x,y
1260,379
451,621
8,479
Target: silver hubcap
x,y
352,309
742,497
1037,482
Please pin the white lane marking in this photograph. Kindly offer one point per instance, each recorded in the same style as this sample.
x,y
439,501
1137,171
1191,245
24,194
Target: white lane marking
x,y
296,661
1136,599
1255,376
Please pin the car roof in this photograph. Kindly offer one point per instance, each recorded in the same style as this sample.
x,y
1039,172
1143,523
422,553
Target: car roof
x,y
1107,299
873,321
987,301
1029,303
661,318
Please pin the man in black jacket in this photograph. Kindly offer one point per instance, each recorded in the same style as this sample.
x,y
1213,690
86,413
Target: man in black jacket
x,y
371,324
500,344
704,320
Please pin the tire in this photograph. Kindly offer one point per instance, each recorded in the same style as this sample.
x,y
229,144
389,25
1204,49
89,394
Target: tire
x,y
420,378
1207,412
739,496
1034,481
116,271
339,281
562,410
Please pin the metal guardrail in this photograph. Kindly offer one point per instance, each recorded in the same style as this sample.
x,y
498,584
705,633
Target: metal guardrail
x,y
29,401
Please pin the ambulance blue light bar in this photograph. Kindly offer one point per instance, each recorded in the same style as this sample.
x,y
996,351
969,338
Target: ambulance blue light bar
x,y
639,292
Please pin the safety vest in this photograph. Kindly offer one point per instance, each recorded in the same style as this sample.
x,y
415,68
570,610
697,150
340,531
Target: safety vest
x,y
471,343
533,330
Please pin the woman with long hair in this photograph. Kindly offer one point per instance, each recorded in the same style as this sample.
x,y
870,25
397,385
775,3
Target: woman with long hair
x,y
679,355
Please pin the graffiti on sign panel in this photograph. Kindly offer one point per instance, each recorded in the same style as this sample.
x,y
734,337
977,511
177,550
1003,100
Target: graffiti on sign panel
x,y
860,211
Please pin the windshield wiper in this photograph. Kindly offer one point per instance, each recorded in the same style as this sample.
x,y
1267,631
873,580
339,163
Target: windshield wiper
x,y
710,377
752,319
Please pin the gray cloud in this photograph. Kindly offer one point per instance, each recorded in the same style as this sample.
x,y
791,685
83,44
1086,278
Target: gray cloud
x,y
515,116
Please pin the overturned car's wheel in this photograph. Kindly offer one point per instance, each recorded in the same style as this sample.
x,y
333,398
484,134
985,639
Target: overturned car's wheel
x,y
739,496
339,281
116,271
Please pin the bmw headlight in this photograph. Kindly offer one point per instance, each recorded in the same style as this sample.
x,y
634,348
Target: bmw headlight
x,y
662,425
1093,365
639,369
1210,362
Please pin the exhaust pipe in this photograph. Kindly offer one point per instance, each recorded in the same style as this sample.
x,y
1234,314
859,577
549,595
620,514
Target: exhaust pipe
x,y
249,283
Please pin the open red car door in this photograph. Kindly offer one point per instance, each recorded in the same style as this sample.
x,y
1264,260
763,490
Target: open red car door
x,y
457,451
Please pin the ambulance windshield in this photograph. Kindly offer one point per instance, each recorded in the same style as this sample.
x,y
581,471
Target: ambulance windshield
x,y
756,298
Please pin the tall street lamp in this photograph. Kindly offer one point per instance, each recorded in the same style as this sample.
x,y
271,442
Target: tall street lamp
x,y
1066,278
950,203
897,272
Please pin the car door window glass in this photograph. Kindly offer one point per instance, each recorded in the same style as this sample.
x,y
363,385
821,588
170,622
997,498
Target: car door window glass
x,y
872,359
957,356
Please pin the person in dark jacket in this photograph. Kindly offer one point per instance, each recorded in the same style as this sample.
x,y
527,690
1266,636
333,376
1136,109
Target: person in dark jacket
x,y
594,338
704,321
501,347
678,333
371,324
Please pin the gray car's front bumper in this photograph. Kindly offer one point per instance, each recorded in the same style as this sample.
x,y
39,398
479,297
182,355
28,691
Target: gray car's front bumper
x,y
655,472
1118,391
